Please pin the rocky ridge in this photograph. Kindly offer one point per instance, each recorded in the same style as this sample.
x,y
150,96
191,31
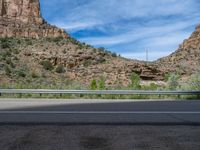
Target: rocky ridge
x,y
186,59
22,18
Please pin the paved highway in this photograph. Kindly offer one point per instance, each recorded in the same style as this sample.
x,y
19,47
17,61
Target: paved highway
x,y
22,111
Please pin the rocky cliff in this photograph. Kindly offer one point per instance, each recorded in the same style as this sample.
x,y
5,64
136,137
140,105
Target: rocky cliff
x,y
186,59
22,18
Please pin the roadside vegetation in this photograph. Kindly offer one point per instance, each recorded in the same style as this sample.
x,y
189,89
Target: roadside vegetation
x,y
173,83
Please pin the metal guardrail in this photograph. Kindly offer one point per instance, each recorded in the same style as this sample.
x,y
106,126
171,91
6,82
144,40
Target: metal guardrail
x,y
96,92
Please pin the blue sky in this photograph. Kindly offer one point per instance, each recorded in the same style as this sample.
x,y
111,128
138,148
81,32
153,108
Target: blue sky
x,y
127,27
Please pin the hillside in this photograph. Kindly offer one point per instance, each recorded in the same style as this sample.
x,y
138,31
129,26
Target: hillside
x,y
39,61
36,54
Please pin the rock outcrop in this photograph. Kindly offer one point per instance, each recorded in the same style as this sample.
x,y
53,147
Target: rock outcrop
x,y
22,18
185,60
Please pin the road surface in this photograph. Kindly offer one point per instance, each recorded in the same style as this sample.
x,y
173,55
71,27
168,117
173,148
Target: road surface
x,y
34,111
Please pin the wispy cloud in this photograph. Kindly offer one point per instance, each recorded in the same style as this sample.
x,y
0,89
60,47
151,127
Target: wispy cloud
x,y
126,26
141,33
75,26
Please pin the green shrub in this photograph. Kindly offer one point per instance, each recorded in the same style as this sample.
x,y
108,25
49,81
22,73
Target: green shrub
x,y
9,62
15,51
102,85
101,60
29,41
172,82
34,75
5,54
114,55
57,39
153,86
87,63
194,82
5,43
166,77
47,65
93,85
60,69
135,81
19,41
7,70
21,73
102,49
73,41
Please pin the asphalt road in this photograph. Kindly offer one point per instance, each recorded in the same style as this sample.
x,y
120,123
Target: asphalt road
x,y
17,111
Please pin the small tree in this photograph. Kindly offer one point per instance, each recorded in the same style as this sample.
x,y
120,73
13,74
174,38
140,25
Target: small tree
x,y
135,81
172,82
93,84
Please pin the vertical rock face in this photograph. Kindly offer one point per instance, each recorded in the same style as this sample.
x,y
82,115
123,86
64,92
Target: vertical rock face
x,y
22,18
26,11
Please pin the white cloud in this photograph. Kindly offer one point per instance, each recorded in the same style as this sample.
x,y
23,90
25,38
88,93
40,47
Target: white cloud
x,y
159,25
76,26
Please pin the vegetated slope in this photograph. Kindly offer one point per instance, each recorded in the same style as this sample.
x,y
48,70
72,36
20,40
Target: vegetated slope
x,y
49,61
36,53
186,60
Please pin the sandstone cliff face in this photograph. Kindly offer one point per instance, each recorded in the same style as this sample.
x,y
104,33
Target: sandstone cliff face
x,y
22,18
26,11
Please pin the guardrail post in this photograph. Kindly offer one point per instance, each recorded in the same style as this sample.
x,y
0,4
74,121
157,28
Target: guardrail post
x,y
40,94
0,94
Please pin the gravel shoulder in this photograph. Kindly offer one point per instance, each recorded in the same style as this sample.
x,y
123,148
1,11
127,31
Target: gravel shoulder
x,y
93,137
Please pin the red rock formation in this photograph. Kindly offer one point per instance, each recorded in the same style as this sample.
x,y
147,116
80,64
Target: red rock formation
x,y
22,18
186,59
